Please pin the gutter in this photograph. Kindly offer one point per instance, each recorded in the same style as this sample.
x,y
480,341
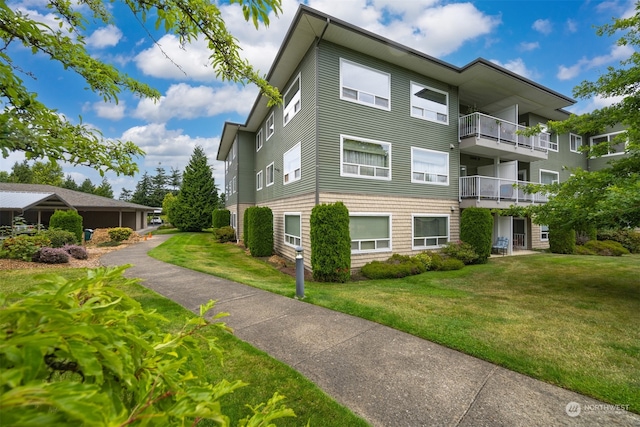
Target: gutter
x,y
317,169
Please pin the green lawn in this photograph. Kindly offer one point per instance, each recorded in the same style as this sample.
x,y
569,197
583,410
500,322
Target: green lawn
x,y
264,374
568,320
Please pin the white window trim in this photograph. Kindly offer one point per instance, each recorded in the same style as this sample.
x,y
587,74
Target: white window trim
x,y
553,145
298,146
577,150
273,174
259,180
289,110
413,237
353,175
610,136
430,182
421,117
284,222
548,171
273,124
368,251
233,185
543,232
357,101
259,140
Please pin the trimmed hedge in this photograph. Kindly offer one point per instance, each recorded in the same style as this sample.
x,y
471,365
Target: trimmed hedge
x,y
562,240
476,229
119,234
606,248
261,234
627,237
330,243
395,267
69,220
246,220
221,218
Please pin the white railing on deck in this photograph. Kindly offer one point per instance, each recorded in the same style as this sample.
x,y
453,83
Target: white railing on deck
x,y
481,125
498,189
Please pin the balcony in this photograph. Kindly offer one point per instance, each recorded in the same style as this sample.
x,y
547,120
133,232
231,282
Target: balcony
x,y
488,136
488,192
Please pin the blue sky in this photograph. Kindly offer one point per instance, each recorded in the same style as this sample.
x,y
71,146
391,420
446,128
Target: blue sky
x,y
551,42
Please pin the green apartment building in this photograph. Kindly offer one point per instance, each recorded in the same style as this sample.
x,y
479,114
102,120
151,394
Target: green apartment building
x,y
404,140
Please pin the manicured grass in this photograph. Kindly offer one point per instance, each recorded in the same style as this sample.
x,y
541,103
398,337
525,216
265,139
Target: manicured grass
x,y
568,320
264,374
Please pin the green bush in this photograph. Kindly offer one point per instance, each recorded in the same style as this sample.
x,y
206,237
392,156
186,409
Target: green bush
x,y
330,243
451,264
221,218
261,234
225,234
461,251
23,247
425,259
436,260
606,248
59,237
119,234
627,237
51,256
246,232
396,266
583,250
476,229
562,240
69,220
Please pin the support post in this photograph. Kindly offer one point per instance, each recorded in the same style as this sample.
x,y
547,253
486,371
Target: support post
x,y
299,273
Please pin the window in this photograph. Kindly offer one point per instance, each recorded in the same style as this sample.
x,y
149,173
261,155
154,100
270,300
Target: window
x,y
609,138
269,174
234,150
575,142
370,233
365,158
551,139
259,140
292,229
364,85
429,104
429,166
291,165
259,181
233,185
430,231
271,126
549,177
234,220
544,232
292,101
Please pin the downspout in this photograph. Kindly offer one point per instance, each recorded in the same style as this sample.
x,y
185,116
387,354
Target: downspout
x,y
236,142
317,171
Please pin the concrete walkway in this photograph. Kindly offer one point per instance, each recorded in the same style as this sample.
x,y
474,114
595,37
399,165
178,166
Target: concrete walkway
x,y
388,377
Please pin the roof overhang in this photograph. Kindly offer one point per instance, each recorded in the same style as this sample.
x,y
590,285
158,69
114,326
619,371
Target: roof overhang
x,y
476,81
23,201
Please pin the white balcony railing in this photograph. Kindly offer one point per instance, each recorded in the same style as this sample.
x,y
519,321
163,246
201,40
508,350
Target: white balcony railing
x,y
498,189
480,125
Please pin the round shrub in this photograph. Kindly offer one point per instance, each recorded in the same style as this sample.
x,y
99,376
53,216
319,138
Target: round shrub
x,y
462,251
425,259
581,250
225,234
77,252
59,237
396,266
69,220
562,240
606,248
476,228
451,264
51,256
627,237
119,234
436,260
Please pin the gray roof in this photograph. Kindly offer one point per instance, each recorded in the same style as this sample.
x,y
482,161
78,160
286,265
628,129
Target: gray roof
x,y
16,195
18,200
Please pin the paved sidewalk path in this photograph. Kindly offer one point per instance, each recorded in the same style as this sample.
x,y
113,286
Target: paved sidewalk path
x,y
388,377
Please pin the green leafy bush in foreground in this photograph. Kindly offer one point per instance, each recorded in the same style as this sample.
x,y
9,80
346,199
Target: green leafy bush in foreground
x,y
61,366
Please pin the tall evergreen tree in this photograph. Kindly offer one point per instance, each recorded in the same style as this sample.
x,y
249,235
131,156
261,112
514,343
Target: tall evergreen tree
x,y
158,187
21,173
198,195
143,191
87,186
125,195
70,184
175,180
104,189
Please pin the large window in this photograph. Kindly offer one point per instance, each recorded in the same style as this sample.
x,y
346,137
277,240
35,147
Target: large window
x,y
270,176
370,232
291,161
259,181
364,85
428,166
575,142
292,229
429,104
609,138
271,126
259,140
365,158
430,231
292,101
549,177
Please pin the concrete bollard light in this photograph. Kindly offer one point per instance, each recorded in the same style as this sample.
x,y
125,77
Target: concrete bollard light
x,y
299,273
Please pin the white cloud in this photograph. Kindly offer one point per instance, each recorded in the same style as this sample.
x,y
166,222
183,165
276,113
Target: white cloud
x,y
542,26
189,102
104,37
618,53
517,66
110,110
594,103
526,47
571,26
